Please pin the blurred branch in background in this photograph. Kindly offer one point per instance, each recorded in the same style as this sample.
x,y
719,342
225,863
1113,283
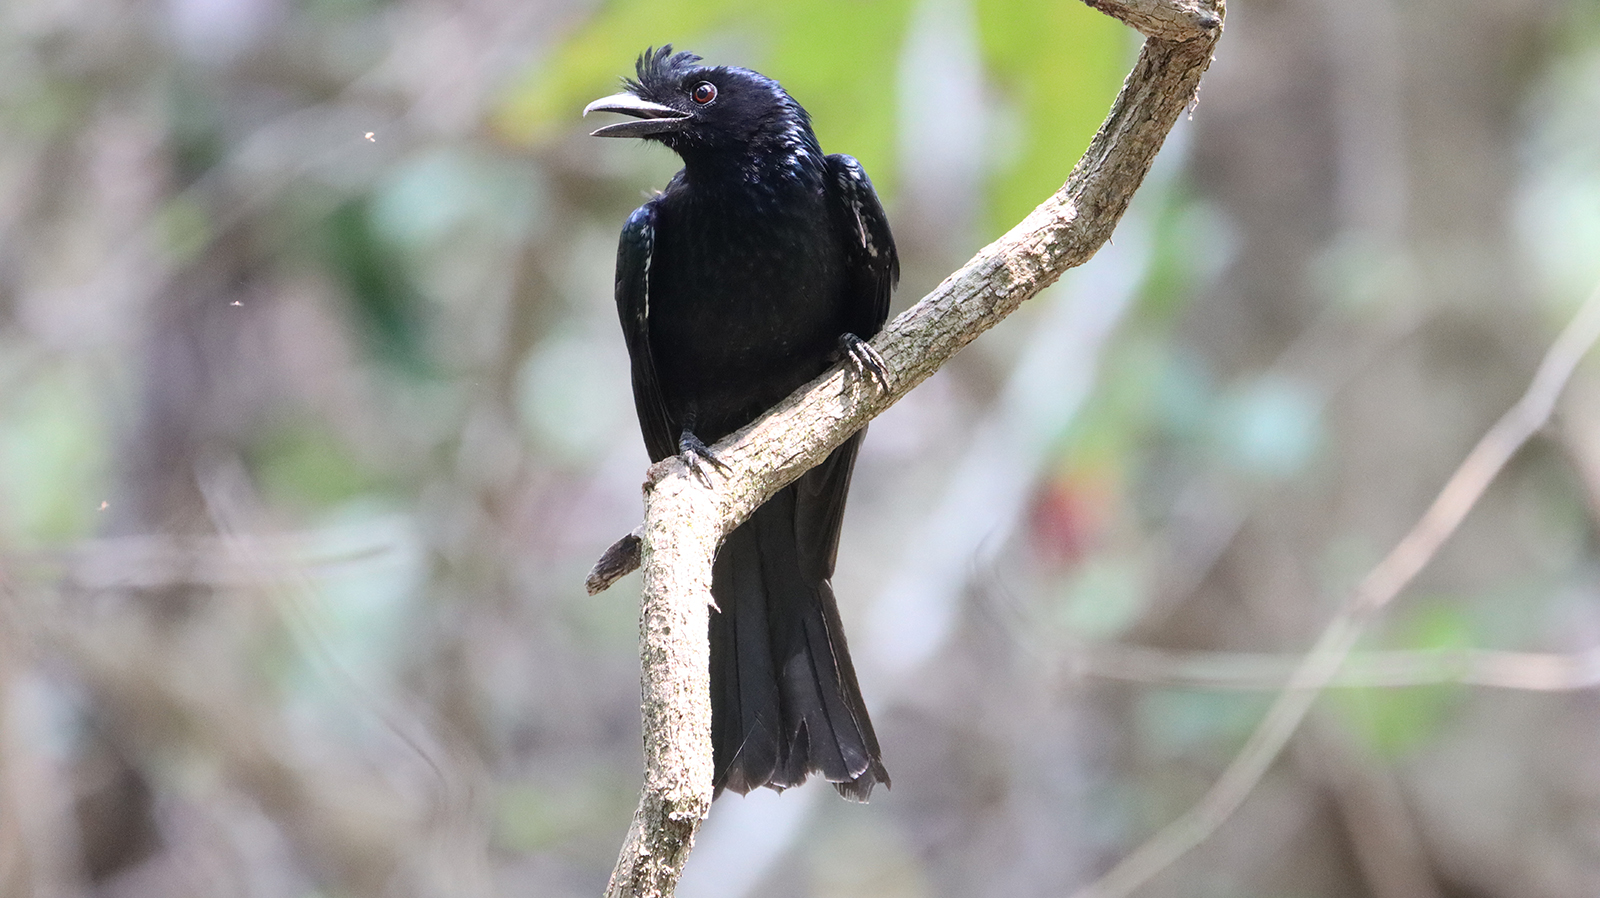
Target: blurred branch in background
x,y
1531,671
1376,590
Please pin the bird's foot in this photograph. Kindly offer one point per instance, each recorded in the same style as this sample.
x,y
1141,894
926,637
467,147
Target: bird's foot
x,y
865,360
699,457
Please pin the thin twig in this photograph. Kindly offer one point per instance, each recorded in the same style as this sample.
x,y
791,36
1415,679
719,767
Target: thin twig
x,y
1317,669
615,563
1265,672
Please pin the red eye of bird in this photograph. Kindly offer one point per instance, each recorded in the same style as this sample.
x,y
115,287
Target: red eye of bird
x,y
704,92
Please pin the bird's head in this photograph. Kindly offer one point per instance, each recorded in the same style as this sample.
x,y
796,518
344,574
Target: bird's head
x,y
697,109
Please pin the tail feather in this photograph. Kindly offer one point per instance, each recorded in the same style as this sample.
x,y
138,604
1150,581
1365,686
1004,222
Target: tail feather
x,y
785,701
745,715
857,743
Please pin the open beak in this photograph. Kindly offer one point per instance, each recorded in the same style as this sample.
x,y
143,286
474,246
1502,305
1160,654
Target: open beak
x,y
652,118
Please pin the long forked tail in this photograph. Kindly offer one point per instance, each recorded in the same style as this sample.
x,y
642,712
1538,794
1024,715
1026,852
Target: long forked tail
x,y
784,697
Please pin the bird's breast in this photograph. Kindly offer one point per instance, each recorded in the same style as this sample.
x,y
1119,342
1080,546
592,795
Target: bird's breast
x,y
747,302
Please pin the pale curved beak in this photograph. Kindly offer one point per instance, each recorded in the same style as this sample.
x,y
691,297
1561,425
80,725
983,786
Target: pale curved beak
x,y
652,118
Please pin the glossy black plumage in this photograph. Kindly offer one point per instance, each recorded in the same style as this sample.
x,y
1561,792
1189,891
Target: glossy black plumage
x,y
739,283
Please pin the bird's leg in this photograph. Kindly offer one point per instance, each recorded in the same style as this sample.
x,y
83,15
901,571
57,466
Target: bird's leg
x,y
864,359
698,456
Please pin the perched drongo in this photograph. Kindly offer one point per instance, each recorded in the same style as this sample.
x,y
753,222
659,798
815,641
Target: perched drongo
x,y
761,263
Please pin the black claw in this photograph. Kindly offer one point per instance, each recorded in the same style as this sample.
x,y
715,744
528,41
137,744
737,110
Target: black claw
x,y
698,456
865,360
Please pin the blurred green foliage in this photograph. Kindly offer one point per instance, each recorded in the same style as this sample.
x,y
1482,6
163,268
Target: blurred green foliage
x,y
1103,596
185,229
1059,65
194,123
386,303
54,458
1174,723
1055,68
1393,722
535,814
1269,428
308,466
1118,416
800,43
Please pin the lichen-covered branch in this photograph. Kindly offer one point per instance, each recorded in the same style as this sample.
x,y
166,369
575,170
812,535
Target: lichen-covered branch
x,y
685,521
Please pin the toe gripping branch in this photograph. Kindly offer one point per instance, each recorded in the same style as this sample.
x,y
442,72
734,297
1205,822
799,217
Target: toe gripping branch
x,y
623,556
700,459
865,360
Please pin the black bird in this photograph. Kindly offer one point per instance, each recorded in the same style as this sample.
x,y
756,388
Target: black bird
x,y
761,264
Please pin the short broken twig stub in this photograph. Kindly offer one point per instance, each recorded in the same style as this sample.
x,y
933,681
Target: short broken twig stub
x,y
620,560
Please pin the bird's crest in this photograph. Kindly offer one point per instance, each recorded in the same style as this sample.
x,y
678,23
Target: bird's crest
x,y
656,66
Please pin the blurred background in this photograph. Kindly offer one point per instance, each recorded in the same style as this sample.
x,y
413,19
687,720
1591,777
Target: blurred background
x,y
314,413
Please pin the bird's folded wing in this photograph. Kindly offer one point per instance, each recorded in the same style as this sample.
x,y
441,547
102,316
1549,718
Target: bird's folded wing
x,y
871,259
633,308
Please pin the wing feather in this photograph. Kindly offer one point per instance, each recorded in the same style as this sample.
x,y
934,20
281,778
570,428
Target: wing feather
x,y
873,264
634,253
